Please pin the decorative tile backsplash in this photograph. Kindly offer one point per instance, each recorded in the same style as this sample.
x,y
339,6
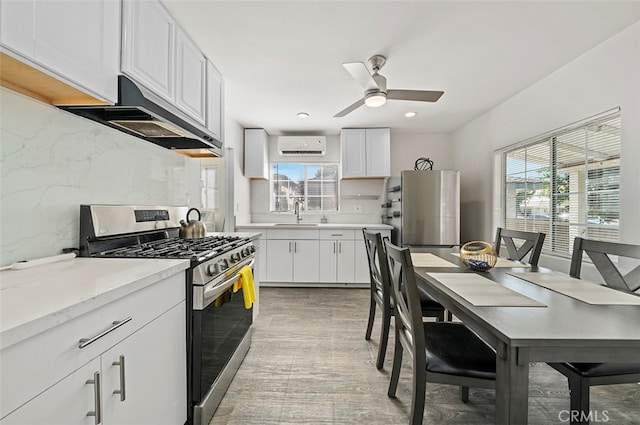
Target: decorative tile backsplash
x,y
52,161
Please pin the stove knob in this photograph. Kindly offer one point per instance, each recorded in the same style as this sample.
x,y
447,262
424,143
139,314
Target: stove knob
x,y
245,252
213,269
235,258
252,249
224,264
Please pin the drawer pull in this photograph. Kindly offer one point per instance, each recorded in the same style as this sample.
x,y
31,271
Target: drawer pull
x,y
336,234
121,391
83,342
97,414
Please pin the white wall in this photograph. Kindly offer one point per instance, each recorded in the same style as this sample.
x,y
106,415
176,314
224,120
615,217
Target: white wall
x,y
406,148
605,77
234,138
53,161
260,192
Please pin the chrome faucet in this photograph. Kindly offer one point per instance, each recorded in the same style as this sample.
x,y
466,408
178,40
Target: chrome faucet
x,y
296,210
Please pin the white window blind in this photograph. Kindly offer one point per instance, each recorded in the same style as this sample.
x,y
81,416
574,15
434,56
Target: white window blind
x,y
315,185
566,184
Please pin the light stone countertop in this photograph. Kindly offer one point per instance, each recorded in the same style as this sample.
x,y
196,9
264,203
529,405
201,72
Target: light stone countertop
x,y
303,225
39,298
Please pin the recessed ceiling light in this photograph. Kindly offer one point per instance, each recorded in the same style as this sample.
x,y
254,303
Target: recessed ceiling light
x,y
410,114
303,115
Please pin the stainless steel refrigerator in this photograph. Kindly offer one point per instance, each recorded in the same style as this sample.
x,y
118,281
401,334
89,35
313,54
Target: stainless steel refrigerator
x,y
424,208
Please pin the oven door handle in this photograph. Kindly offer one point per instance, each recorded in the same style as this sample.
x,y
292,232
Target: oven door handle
x,y
220,288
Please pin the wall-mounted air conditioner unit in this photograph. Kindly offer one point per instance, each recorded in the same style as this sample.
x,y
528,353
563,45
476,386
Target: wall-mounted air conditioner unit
x,y
302,145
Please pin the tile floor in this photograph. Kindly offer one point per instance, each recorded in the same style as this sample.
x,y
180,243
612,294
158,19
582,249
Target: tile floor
x,y
310,364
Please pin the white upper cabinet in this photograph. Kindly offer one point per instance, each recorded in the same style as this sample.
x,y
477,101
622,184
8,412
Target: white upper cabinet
x,y
353,147
365,152
378,147
215,102
191,74
160,55
256,157
75,41
148,46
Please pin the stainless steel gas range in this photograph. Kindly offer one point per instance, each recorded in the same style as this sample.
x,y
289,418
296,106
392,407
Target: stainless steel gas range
x,y
218,324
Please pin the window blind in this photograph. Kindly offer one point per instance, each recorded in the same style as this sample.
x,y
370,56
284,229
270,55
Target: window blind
x,y
566,184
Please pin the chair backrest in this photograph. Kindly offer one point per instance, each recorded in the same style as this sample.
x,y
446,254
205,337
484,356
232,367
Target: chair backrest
x,y
599,252
378,266
408,313
532,244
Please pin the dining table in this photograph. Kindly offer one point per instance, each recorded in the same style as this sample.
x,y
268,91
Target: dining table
x,y
530,314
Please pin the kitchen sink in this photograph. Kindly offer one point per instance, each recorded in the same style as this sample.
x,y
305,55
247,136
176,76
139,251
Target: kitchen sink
x,y
297,224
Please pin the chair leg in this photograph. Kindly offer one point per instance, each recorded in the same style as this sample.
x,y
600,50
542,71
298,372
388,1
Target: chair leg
x,y
372,316
419,390
395,370
579,390
384,337
464,394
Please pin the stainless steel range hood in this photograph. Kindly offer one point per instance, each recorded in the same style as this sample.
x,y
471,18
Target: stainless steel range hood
x,y
143,114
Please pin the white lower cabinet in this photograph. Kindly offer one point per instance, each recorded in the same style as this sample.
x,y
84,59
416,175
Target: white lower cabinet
x,y
292,255
361,263
66,403
313,256
131,371
337,252
154,389
305,260
279,260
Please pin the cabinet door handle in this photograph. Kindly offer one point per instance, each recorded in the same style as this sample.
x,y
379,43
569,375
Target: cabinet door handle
x,y
83,342
334,247
295,247
289,246
97,413
339,247
336,234
121,391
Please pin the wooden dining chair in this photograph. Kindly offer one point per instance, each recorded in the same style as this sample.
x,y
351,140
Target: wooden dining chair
x,y
582,376
381,293
531,244
441,352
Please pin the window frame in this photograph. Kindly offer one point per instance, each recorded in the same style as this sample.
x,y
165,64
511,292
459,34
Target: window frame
x,y
553,242
304,205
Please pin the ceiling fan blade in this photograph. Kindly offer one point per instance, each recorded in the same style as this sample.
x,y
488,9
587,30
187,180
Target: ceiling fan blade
x,y
418,95
361,74
349,108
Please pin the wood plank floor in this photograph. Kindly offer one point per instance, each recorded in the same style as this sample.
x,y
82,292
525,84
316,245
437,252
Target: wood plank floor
x,y
310,364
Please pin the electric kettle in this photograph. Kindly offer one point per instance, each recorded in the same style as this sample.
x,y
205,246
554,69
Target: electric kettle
x,y
192,229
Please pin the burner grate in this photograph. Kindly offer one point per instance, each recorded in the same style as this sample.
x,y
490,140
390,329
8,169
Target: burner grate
x,y
208,247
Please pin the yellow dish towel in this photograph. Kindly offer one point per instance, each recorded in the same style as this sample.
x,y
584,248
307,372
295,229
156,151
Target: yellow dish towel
x,y
246,283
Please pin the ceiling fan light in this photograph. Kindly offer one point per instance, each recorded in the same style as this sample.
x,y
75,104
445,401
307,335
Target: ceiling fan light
x,y
375,99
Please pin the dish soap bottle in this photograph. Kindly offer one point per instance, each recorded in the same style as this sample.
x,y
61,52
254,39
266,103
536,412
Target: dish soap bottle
x,y
323,220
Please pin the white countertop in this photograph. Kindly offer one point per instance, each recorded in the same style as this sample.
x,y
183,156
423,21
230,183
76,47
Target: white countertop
x,y
39,298
304,225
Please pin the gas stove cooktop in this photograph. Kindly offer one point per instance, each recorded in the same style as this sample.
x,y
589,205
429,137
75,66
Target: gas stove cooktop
x,y
199,249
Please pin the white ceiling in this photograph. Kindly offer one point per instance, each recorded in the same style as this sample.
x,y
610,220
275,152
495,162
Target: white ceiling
x,y
283,57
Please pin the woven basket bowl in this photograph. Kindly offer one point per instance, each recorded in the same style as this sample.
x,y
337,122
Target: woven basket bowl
x,y
478,255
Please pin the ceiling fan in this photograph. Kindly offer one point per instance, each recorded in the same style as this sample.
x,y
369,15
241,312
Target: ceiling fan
x,y
375,87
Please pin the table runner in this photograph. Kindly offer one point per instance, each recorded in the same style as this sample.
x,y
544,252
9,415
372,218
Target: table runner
x,y
503,262
482,292
581,290
425,259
